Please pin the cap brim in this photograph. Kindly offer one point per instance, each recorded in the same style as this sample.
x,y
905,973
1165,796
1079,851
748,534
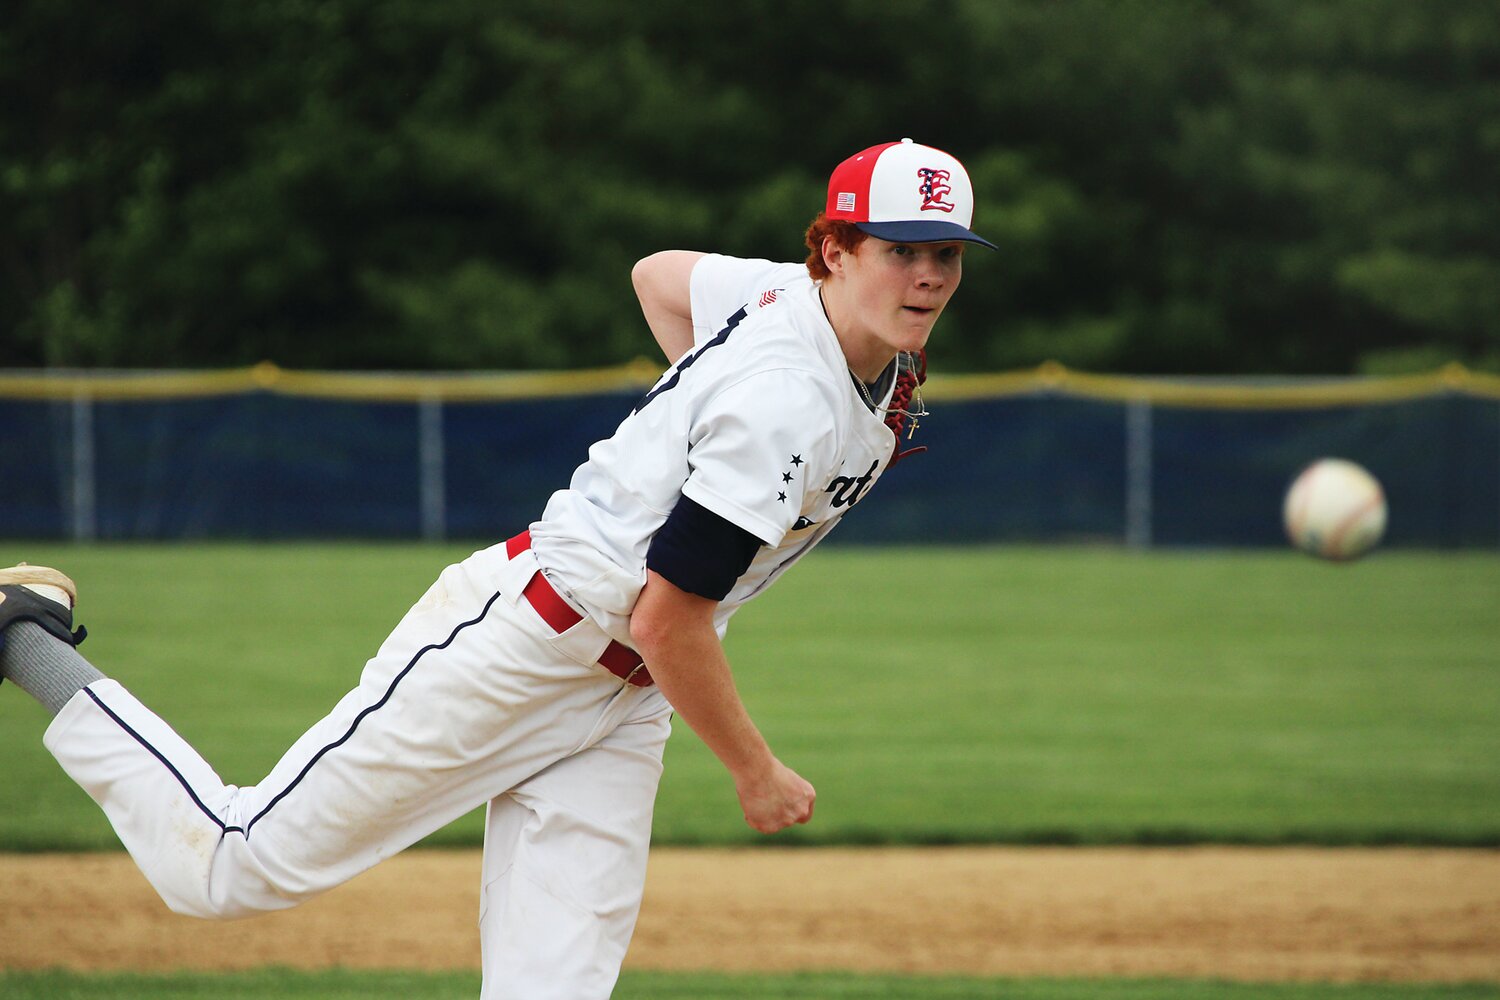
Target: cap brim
x,y
930,231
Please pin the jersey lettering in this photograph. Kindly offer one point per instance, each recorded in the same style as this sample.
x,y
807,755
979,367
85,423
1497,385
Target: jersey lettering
x,y
687,362
847,490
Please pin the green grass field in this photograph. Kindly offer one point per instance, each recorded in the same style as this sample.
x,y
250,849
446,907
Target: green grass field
x,y
284,985
1066,695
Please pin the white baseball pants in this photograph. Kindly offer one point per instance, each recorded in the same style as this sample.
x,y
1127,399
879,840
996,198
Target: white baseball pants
x,y
471,699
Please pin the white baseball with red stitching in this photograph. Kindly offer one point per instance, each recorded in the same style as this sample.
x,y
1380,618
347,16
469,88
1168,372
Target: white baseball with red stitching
x,y
1335,510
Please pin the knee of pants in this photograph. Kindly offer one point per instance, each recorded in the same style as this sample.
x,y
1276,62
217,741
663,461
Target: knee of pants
x,y
561,894
581,829
596,867
225,882
538,945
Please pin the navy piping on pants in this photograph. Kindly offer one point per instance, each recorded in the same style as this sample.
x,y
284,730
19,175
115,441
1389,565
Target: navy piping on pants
x,y
245,832
165,763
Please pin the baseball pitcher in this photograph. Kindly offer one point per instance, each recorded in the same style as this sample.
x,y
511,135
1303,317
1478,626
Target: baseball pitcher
x,y
540,675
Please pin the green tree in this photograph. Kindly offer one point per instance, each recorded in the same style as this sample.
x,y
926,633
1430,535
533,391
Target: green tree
x,y
1338,203
1239,186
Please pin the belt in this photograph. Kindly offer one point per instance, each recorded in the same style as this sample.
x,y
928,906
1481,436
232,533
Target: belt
x,y
618,658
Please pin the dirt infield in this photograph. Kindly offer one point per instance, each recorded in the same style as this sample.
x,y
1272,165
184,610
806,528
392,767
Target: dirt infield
x,y
1246,914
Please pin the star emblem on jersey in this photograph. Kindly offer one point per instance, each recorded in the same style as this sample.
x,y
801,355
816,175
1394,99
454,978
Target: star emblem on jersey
x,y
788,477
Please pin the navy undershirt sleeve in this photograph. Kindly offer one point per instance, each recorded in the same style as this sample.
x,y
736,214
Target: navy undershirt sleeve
x,y
700,552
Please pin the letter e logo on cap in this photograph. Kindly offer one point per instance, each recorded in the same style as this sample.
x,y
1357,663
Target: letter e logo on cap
x,y
935,188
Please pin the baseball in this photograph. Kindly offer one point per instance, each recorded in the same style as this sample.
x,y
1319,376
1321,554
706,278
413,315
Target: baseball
x,y
1334,510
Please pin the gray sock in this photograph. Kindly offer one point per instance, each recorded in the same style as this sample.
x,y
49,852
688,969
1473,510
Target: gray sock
x,y
44,666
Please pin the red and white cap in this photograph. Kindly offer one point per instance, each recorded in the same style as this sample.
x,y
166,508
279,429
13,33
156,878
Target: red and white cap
x,y
904,192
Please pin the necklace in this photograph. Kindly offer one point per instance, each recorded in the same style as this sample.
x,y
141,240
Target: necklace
x,y
914,407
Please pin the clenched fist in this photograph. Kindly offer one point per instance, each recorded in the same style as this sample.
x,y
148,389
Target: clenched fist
x,y
776,798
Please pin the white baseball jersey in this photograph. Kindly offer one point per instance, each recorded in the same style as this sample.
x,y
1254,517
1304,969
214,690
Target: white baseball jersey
x,y
761,423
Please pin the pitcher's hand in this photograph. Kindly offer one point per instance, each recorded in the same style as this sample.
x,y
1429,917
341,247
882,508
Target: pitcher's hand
x,y
776,798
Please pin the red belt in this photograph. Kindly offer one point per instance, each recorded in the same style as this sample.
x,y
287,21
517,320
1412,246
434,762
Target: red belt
x,y
619,659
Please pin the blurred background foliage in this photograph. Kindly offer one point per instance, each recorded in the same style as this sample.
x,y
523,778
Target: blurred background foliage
x,y
1239,186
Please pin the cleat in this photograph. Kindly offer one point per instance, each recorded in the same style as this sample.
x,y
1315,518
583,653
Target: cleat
x,y
42,595
48,583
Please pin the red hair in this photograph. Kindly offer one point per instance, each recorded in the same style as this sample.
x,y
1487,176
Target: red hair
x,y
846,236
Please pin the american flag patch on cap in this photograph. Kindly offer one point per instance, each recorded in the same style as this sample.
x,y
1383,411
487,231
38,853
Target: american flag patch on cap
x,y
845,201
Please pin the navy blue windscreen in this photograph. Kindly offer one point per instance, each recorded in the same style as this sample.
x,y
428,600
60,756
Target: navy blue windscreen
x,y
36,466
503,460
1032,468
255,466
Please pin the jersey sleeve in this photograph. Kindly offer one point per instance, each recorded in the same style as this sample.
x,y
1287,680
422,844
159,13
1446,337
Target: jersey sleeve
x,y
760,447
700,552
720,285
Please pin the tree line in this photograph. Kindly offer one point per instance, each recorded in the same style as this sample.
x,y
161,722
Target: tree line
x,y
1239,186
